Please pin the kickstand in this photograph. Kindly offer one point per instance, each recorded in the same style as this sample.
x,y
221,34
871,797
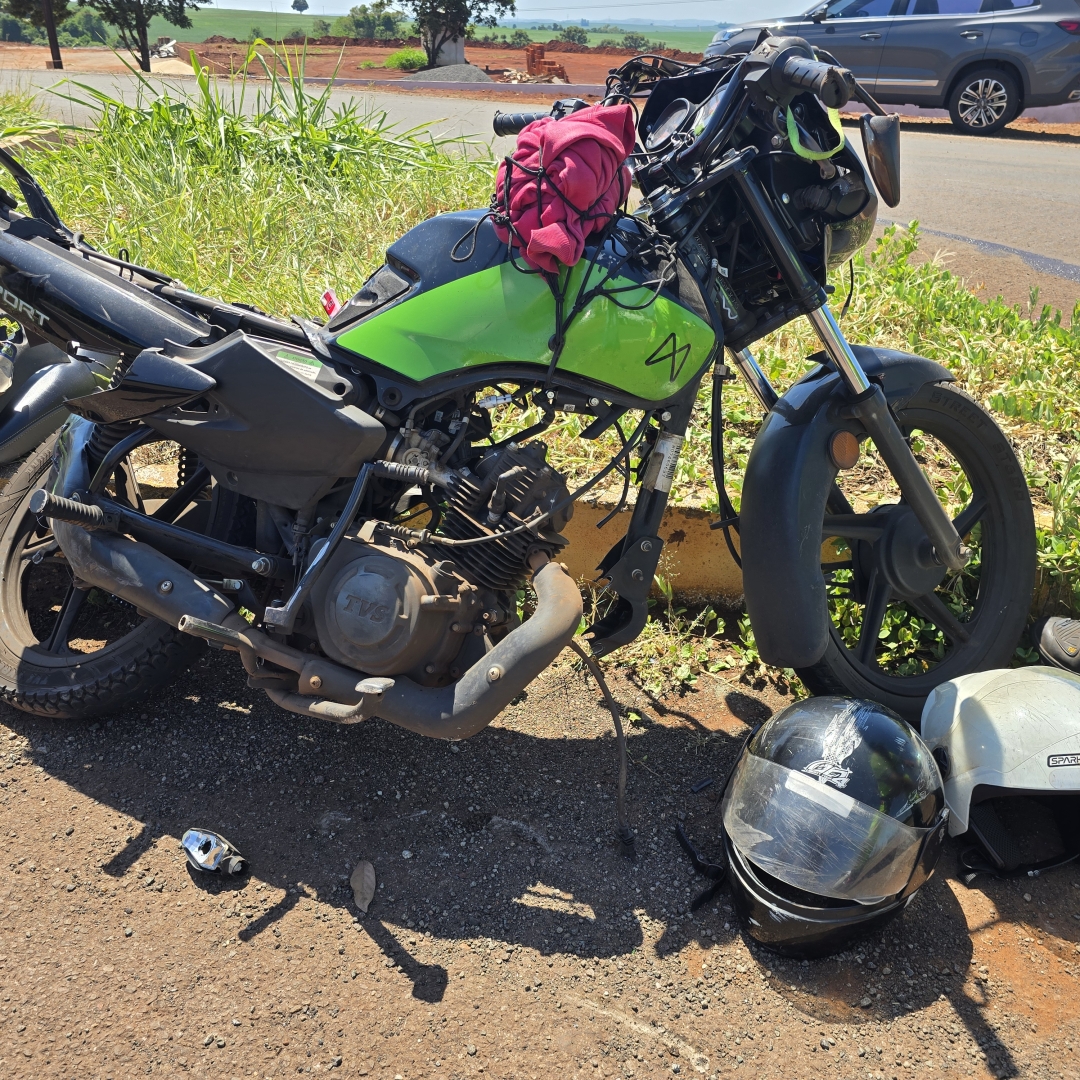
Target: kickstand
x,y
716,873
627,838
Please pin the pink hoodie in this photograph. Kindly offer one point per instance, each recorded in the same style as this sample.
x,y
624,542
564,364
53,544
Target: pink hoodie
x,y
584,158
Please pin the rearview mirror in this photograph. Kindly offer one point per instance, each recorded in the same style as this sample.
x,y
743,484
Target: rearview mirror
x,y
881,145
819,14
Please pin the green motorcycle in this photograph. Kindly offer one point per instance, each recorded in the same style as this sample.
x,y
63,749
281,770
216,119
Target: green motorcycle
x,y
312,452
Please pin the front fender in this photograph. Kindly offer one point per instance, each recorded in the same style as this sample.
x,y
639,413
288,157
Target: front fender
x,y
787,483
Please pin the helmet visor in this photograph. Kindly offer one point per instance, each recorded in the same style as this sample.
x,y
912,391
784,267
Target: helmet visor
x,y
814,837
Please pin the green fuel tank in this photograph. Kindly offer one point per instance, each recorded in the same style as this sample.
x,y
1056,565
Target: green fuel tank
x,y
449,300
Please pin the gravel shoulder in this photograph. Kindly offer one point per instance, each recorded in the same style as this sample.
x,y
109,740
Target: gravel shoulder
x,y
511,941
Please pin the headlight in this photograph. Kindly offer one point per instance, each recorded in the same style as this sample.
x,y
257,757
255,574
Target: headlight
x,y
727,35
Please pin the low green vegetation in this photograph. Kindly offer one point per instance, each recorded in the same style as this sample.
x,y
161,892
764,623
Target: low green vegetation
x,y
270,199
406,60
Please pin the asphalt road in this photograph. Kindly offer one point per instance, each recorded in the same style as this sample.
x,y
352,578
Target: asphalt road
x,y
1005,195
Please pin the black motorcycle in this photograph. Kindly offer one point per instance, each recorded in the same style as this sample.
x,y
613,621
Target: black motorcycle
x,y
346,521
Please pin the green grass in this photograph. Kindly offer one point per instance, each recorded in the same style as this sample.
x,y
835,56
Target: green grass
x,y
687,40
228,22
271,206
268,208
236,24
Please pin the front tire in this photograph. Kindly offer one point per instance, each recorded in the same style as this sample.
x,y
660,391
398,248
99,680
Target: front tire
x,y
984,101
67,653
895,649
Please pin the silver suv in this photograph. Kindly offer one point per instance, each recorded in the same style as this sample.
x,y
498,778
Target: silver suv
x,y
983,60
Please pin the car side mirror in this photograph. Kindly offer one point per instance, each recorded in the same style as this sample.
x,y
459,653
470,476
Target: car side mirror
x,y
881,145
819,14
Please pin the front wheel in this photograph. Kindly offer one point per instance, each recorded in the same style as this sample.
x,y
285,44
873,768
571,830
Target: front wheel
x,y
900,623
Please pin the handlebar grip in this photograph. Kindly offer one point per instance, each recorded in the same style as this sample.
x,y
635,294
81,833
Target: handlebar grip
x,y
512,123
835,86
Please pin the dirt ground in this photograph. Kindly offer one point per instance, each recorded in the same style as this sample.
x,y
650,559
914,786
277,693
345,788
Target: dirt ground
x,y
507,938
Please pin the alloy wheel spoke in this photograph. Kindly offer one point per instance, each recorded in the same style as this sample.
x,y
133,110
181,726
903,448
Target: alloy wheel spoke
x,y
878,595
931,606
57,640
35,553
970,516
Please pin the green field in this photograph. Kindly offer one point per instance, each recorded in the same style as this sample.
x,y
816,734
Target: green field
x,y
235,24
675,38
239,24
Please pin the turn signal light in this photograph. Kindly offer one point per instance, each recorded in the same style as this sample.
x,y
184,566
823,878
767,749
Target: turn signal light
x,y
844,449
1070,26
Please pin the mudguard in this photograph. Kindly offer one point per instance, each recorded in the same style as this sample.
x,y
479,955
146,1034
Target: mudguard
x,y
788,480
36,409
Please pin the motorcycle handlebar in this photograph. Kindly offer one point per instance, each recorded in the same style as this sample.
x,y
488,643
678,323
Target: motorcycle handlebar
x,y
512,123
835,86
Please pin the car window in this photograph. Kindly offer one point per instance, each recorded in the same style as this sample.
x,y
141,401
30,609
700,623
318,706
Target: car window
x,y
859,9
948,7
1009,5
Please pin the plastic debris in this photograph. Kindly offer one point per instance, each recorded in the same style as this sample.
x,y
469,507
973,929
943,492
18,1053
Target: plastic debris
x,y
212,853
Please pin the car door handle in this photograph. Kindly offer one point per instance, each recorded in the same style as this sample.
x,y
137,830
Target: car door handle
x,y
971,35
870,37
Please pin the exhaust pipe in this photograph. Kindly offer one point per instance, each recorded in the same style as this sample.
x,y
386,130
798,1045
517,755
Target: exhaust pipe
x,y
469,705
139,574
448,712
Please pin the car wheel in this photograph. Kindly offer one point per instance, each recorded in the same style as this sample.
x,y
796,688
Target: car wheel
x,y
984,101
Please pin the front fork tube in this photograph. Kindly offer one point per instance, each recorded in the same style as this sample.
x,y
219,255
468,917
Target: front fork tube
x,y
869,405
871,409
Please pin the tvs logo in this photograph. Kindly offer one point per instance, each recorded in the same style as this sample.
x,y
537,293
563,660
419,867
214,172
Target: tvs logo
x,y
366,609
670,352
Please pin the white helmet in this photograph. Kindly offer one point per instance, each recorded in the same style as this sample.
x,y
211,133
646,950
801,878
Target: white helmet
x,y
1012,732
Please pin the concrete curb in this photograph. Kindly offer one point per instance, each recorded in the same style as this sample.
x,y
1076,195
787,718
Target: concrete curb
x,y
696,561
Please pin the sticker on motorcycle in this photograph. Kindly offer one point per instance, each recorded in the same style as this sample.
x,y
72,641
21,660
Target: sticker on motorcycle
x,y
298,364
19,307
660,471
670,352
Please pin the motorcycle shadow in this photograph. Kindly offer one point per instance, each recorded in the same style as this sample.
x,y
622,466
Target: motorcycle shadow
x,y
504,841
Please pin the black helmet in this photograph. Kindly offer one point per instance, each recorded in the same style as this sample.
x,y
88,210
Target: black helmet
x,y
833,817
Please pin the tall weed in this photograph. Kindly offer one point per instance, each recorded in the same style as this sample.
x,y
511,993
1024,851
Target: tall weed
x,y
264,196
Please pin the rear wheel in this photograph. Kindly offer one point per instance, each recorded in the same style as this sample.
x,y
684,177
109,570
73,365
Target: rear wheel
x,y
984,101
900,623
72,652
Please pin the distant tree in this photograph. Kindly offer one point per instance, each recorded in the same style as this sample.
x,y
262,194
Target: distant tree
x,y
41,16
378,20
254,33
320,28
32,11
131,18
11,29
84,28
443,21
577,35
295,34
639,42
300,5
519,39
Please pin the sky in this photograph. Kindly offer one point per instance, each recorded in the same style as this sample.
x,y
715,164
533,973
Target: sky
x,y
707,11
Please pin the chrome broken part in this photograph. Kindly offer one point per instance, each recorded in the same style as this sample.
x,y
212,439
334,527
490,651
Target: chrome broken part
x,y
211,852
